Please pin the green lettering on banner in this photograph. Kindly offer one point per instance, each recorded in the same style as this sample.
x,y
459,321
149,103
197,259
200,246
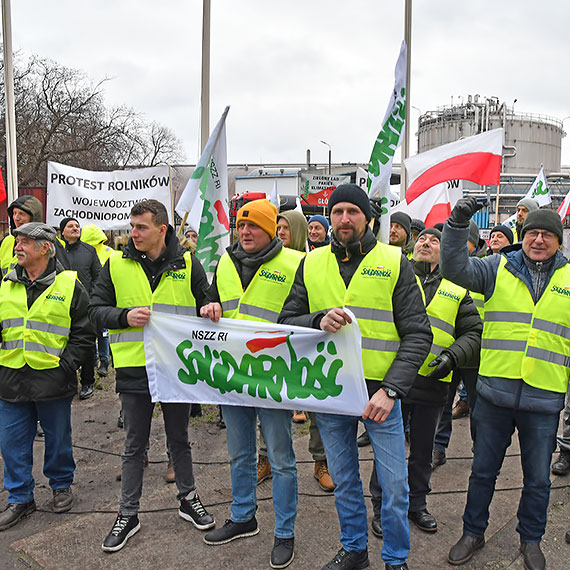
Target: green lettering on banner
x,y
263,376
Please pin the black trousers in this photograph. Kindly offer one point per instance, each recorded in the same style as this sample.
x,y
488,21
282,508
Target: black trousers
x,y
423,421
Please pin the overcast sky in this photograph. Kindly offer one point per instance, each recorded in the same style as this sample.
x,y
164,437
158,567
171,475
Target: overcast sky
x,y
302,71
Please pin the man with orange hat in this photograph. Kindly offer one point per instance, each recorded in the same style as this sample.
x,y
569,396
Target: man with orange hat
x,y
242,289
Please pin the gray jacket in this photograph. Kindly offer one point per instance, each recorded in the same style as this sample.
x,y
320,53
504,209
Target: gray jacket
x,y
480,275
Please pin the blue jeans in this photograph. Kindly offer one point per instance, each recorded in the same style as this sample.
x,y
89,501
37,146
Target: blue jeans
x,y
339,437
103,345
18,426
241,435
537,437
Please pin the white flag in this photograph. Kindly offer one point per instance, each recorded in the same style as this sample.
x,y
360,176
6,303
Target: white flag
x,y
274,198
388,140
539,190
206,199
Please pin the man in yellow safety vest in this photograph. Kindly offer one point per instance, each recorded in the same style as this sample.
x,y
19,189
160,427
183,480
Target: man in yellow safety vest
x,y
523,374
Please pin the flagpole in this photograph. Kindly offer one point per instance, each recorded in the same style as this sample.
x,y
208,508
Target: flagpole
x,y
205,98
11,154
406,140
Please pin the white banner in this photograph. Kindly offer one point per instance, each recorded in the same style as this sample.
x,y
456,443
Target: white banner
x,y
103,198
249,363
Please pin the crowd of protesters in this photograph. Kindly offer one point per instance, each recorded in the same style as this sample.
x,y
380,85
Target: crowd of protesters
x,y
445,310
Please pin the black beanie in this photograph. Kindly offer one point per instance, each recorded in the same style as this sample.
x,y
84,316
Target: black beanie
x,y
417,225
543,220
431,231
66,221
404,220
505,230
353,194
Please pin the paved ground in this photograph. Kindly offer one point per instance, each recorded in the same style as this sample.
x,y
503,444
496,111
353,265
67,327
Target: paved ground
x,y
73,540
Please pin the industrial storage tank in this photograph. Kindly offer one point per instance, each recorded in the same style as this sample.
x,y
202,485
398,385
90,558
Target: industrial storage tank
x,y
530,140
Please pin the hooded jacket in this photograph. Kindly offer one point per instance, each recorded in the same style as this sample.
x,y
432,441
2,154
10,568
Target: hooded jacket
x,y
298,229
29,385
95,236
104,312
410,315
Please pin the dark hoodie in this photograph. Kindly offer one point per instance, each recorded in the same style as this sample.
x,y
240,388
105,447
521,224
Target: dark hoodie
x,y
104,312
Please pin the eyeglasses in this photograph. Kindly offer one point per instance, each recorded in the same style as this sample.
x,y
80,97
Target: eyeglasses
x,y
546,236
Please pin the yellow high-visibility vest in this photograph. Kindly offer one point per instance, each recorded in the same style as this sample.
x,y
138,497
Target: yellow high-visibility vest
x,y
36,336
442,313
265,295
368,296
132,289
524,340
7,258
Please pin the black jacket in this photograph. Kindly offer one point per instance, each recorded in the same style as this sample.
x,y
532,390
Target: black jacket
x,y
26,384
468,329
83,259
103,308
409,313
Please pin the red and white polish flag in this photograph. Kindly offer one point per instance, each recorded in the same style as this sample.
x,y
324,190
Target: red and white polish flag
x,y
564,209
476,158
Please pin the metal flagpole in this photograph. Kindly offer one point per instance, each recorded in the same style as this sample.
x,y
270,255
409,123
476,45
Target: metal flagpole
x,y
11,156
407,128
205,103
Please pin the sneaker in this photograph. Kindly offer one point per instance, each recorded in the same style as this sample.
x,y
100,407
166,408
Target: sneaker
x,y
403,566
87,392
299,417
438,458
15,513
169,476
460,410
39,430
125,526
121,420
62,500
192,509
232,530
283,552
345,560
263,469
562,465
363,439
322,475
103,368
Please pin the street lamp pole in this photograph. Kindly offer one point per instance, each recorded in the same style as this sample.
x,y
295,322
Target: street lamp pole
x,y
330,156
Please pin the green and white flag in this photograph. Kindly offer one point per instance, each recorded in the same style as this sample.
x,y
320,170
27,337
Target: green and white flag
x,y
205,198
539,190
387,142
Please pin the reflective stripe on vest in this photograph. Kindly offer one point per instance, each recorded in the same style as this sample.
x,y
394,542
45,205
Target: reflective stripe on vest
x,y
265,295
7,258
524,340
368,296
442,313
479,302
173,295
30,336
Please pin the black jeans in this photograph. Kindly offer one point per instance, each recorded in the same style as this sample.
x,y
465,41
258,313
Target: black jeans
x,y
423,421
137,413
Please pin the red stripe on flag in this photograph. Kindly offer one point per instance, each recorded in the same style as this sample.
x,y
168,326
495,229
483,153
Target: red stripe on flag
x,y
439,213
2,188
478,167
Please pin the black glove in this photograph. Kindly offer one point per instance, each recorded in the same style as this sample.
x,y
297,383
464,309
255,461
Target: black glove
x,y
463,211
375,207
444,365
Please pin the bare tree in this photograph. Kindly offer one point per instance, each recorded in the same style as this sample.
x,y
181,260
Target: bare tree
x,y
61,116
